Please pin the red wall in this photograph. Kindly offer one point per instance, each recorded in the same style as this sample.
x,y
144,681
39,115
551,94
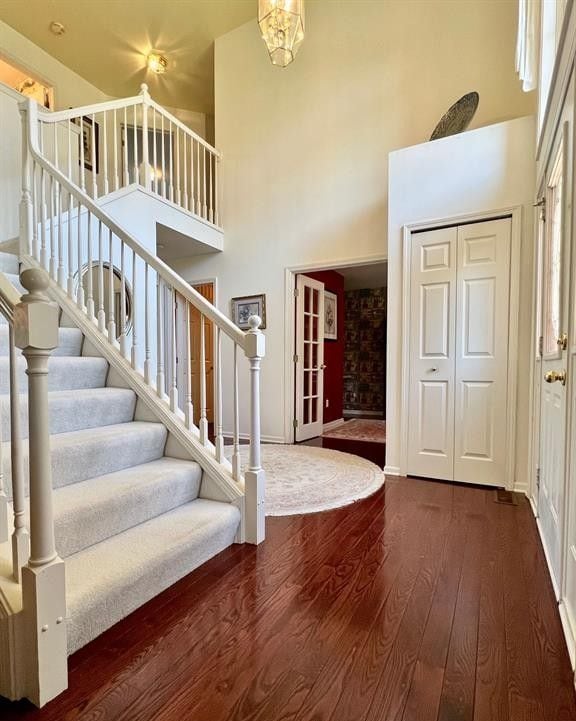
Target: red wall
x,y
333,349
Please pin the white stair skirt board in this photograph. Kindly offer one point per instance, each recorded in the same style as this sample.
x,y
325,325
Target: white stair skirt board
x,y
129,520
306,479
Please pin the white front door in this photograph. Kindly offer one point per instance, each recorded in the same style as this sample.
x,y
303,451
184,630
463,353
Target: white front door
x,y
309,359
459,307
555,292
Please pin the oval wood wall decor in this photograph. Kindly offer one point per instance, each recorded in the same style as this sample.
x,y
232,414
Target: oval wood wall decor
x,y
458,117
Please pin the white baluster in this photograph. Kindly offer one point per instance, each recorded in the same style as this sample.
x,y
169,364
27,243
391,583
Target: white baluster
x,y
80,274
219,438
217,219
254,478
20,536
203,423
178,191
236,461
101,311
170,155
147,354
55,143
89,266
154,149
111,297
43,248
115,129
188,407
159,339
135,146
125,150
35,213
198,210
43,582
135,300
82,160
61,271
192,184
123,337
163,156
147,179
52,230
174,354
94,159
70,288
210,188
185,164
204,206
105,149
69,149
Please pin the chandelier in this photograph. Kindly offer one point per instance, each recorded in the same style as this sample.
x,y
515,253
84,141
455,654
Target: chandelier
x,y
282,25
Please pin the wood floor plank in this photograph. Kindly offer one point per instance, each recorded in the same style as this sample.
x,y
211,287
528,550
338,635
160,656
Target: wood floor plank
x,y
457,697
425,601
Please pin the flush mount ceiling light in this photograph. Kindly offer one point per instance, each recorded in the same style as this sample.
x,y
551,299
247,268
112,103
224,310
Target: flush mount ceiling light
x,y
282,25
157,63
57,28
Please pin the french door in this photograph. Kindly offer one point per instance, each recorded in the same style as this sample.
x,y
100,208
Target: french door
x,y
459,311
309,359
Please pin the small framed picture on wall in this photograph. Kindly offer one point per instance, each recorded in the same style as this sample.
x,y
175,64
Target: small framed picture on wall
x,y
246,306
330,316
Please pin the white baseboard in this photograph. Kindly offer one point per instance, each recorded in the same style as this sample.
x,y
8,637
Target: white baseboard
x,y
264,439
548,562
567,627
521,488
333,424
392,471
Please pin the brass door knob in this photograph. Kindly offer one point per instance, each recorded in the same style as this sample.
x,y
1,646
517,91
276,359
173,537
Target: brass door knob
x,y
555,376
323,366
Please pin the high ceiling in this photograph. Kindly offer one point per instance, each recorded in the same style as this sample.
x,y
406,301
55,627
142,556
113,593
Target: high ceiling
x,y
106,41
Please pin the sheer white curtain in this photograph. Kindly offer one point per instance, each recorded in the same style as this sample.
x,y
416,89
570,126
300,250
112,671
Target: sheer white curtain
x,y
527,43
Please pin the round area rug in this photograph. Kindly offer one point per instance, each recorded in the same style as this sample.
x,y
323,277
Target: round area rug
x,y
306,479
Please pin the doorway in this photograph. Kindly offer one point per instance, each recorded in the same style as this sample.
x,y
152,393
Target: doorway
x,y
339,363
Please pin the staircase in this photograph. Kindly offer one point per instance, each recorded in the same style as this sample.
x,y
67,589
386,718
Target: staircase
x,y
130,491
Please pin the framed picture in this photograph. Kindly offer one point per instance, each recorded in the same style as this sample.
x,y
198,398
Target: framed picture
x,y
330,316
244,307
86,140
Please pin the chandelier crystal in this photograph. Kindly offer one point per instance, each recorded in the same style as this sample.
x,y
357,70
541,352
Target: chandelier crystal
x,y
282,25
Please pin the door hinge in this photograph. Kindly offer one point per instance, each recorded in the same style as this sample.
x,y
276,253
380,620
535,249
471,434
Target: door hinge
x,y
538,477
541,203
295,423
295,358
541,346
296,292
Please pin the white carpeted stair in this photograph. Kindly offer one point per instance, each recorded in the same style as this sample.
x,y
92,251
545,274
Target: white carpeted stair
x,y
130,521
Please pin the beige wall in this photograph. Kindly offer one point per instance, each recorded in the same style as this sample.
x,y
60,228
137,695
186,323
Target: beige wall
x,y
305,168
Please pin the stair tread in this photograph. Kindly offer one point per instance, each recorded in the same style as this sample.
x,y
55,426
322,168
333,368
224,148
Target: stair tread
x,y
64,372
111,579
91,511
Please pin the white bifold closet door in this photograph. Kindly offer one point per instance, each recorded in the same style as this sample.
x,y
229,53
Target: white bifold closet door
x,y
459,308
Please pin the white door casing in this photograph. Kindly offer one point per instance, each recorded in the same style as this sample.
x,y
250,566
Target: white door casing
x,y
309,359
459,308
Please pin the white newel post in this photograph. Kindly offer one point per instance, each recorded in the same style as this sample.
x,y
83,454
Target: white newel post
x,y
147,183
254,477
43,581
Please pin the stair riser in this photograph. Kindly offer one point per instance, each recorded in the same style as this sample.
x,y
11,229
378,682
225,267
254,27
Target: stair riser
x,y
63,374
69,342
90,458
74,413
131,506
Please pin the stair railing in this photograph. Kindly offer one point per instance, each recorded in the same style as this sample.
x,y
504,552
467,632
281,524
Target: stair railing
x,y
106,147
38,647
87,255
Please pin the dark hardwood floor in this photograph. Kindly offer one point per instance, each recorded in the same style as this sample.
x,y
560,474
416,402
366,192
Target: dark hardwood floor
x,y
425,602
